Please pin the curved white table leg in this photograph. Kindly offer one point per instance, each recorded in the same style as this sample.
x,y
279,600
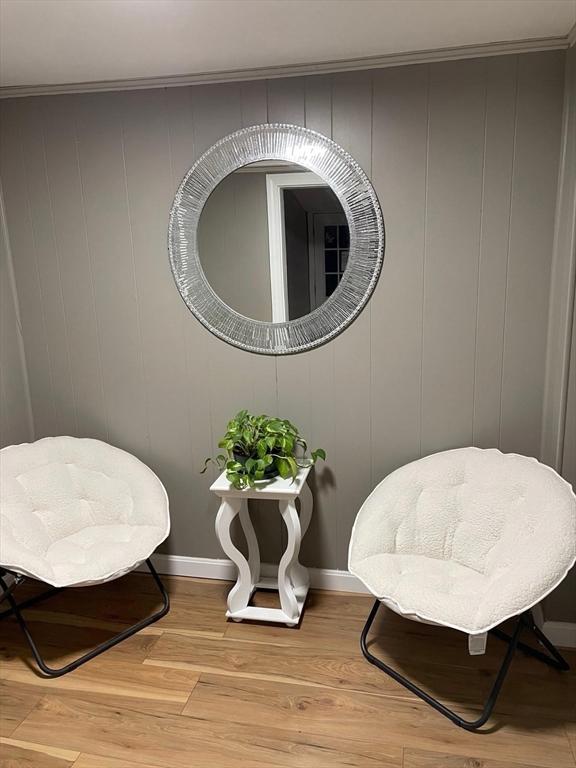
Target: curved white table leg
x,y
289,558
299,574
240,593
306,503
252,541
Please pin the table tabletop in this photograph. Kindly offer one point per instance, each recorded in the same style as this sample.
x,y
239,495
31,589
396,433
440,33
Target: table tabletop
x,y
275,488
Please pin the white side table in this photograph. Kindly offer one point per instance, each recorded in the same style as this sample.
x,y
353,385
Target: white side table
x,y
293,580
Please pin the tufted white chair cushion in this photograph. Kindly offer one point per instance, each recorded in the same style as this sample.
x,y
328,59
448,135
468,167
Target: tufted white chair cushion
x,y
465,538
77,511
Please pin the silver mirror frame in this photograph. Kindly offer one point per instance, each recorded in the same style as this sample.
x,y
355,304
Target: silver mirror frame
x,y
357,197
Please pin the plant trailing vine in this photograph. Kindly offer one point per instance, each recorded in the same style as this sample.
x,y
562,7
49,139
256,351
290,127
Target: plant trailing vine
x,y
261,447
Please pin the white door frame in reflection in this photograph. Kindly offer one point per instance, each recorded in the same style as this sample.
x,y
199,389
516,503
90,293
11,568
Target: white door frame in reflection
x,y
276,183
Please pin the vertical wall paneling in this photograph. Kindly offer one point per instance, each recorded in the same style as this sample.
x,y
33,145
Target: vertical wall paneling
x,y
569,457
318,104
499,124
48,263
454,194
400,122
560,605
286,102
562,286
534,185
559,412
191,342
449,351
16,422
75,267
23,246
352,129
147,156
103,172
254,103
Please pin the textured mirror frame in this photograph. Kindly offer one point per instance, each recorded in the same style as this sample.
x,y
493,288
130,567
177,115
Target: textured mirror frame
x,y
357,197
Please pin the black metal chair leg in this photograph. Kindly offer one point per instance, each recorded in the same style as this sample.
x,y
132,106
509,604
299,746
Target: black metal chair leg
x,y
15,610
525,620
553,659
561,662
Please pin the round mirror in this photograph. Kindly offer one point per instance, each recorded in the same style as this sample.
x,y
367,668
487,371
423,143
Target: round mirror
x,y
276,239
273,241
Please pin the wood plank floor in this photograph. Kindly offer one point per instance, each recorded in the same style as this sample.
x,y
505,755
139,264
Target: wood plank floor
x,y
196,690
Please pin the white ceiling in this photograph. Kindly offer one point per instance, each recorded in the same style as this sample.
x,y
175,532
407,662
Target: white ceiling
x,y
73,41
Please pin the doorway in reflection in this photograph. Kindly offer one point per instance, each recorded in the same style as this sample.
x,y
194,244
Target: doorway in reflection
x,y
317,245
273,241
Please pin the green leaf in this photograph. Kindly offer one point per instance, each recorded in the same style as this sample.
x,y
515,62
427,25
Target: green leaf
x,y
293,466
319,453
284,468
235,479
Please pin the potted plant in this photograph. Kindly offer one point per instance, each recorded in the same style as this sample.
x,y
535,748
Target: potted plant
x,y
259,448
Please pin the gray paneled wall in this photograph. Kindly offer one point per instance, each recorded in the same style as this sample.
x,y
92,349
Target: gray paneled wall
x,y
561,605
450,350
559,427
15,413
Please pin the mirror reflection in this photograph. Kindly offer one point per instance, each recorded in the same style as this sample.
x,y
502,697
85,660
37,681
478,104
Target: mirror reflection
x,y
273,241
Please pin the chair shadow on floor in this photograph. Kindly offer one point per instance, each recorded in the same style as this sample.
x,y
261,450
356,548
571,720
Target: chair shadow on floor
x,y
71,623
436,659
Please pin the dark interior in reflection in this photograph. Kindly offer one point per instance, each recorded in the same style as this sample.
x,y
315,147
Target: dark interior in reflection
x,y
317,246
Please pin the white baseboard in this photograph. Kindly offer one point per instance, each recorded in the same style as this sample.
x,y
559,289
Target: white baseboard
x,y
212,568
196,567
561,633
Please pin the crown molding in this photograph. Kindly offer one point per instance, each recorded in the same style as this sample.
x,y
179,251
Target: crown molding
x,y
291,70
571,37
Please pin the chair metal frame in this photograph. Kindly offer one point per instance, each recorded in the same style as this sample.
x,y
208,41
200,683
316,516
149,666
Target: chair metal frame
x,y
17,608
524,621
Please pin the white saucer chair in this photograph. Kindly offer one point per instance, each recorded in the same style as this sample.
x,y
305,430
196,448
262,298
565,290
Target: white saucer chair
x,y
466,539
76,512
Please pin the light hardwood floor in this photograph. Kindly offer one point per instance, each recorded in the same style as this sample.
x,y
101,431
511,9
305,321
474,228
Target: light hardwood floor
x,y
195,690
